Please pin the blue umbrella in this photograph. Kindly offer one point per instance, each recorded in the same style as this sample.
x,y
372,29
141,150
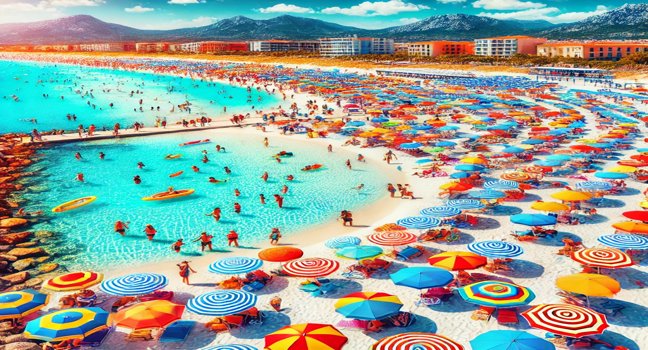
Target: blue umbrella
x,y
610,175
533,219
487,194
469,167
419,222
496,249
221,303
624,241
548,162
460,175
356,123
422,127
501,185
422,277
465,204
235,265
510,340
379,120
446,144
410,145
359,252
441,212
17,304
532,142
594,185
513,149
560,157
424,161
134,284
342,241
449,128
75,323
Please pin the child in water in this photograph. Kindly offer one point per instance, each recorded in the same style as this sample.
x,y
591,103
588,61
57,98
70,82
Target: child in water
x,y
177,245
150,232
120,227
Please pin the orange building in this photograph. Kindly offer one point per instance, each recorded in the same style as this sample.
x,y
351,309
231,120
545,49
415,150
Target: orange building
x,y
594,50
438,48
152,47
506,46
214,46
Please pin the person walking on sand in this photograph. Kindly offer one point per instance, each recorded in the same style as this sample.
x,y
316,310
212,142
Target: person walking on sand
x,y
205,241
346,217
185,271
266,143
150,232
348,164
389,156
330,148
121,227
391,189
232,238
177,245
274,236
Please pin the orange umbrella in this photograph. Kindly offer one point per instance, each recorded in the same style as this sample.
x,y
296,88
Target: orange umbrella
x,y
457,260
149,314
632,227
280,254
306,336
456,186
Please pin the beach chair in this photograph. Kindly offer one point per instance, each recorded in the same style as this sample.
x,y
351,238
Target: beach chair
x,y
140,335
427,301
96,339
441,293
157,295
484,313
177,332
409,253
507,317
252,287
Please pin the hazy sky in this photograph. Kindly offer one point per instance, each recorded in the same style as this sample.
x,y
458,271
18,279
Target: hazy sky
x,y
164,14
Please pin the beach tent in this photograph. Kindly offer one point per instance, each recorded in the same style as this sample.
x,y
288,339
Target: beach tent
x,y
624,241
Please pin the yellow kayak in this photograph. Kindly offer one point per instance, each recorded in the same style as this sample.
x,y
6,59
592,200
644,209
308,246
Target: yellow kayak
x,y
167,195
173,156
74,204
644,204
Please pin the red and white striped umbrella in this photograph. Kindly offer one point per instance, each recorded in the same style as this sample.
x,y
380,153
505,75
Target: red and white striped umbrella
x,y
566,320
608,258
516,176
311,267
392,238
416,341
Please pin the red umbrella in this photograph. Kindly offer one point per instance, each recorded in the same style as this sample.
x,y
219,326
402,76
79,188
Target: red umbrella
x,y
392,238
639,215
311,267
566,320
416,340
608,258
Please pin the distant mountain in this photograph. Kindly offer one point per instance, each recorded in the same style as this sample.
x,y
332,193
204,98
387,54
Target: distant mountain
x,y
626,22
629,21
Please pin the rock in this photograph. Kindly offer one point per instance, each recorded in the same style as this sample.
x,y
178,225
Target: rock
x,y
22,346
26,244
34,283
49,267
44,234
16,288
5,248
42,259
5,212
27,252
16,278
15,338
15,238
13,222
8,257
23,264
4,265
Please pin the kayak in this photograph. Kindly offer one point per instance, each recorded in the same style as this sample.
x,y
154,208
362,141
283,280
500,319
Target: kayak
x,y
313,167
284,154
173,156
177,174
166,195
196,142
74,204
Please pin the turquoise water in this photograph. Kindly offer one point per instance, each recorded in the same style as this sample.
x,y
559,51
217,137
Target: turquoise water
x,y
314,197
100,87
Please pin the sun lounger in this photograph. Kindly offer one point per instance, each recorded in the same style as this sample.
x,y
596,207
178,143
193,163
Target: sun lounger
x,y
409,253
140,335
254,286
178,331
96,339
506,317
484,313
428,301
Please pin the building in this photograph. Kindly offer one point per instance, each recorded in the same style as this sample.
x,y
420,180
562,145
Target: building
x,y
284,45
595,50
106,47
401,48
352,45
152,47
438,48
208,47
55,48
507,46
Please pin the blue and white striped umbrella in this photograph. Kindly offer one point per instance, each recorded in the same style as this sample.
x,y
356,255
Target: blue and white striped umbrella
x,y
465,204
235,265
487,194
221,303
419,222
594,186
134,284
496,249
441,212
231,347
501,185
624,241
342,241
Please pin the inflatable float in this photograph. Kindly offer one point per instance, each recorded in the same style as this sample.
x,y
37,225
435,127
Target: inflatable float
x,y
312,167
168,195
74,204
173,156
195,142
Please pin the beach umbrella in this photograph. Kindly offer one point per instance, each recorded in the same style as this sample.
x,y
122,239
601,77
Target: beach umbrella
x,y
624,241
548,163
421,277
516,176
589,284
496,294
410,145
496,249
622,169
368,305
510,340
632,227
221,303
465,204
392,238
459,175
441,212
235,265
445,144
280,254
639,215
536,169
456,186
73,281
571,196
533,219
501,185
566,320
231,347
473,160
593,186
419,222
21,303
532,142
68,324
610,175
553,207
457,261
311,267
149,315
469,167
134,284
359,252
513,149
487,194
306,336
608,258
342,241
416,341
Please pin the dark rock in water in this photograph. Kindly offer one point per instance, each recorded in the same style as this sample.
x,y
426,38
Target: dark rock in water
x,y
22,346
27,244
16,278
34,283
15,238
23,264
4,265
7,257
44,234
5,248
27,252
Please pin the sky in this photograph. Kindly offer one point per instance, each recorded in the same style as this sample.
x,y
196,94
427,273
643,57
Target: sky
x,y
168,14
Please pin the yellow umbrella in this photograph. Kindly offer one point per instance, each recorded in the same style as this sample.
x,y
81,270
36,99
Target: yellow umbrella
x,y
571,196
553,207
622,169
473,160
589,284
381,131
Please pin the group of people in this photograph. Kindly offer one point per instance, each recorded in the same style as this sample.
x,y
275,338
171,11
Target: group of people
x,y
404,190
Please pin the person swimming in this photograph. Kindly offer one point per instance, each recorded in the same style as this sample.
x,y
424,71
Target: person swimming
x,y
216,214
265,176
121,227
279,199
290,178
195,168
227,170
102,155
205,159
284,189
205,241
237,208
137,179
237,193
77,155
215,180
80,177
140,165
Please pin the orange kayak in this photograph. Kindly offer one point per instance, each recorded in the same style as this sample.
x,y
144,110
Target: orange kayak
x,y
312,167
177,174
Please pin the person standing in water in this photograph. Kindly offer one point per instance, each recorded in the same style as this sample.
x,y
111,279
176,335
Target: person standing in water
x,y
232,238
205,241
262,199
177,245
348,164
150,232
80,177
216,214
330,148
77,155
121,227
102,155
237,208
185,271
274,236
265,176
279,199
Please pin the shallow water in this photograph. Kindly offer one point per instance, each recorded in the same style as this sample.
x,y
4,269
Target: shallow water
x,y
88,92
314,197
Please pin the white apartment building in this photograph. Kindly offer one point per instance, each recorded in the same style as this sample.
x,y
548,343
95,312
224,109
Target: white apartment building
x,y
351,46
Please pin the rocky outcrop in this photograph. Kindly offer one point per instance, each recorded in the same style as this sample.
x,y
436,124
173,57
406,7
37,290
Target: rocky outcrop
x,y
14,238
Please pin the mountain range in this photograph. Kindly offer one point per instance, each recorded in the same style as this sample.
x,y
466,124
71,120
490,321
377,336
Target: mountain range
x,y
625,22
